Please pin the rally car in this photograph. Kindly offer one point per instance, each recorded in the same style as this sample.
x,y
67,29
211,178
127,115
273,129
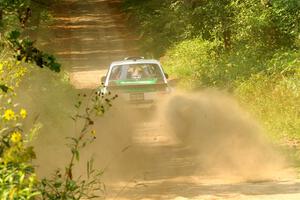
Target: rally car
x,y
139,81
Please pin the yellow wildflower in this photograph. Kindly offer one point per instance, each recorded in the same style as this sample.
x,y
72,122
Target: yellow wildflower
x,y
16,137
1,67
93,132
23,113
9,115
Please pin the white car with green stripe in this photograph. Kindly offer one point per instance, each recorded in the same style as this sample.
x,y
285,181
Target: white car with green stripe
x,y
139,81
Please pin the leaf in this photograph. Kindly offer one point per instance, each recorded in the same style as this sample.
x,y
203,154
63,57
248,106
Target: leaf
x,y
57,184
55,67
4,88
14,35
77,155
25,49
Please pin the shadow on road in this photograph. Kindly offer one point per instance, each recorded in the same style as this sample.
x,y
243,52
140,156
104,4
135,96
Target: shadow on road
x,y
90,34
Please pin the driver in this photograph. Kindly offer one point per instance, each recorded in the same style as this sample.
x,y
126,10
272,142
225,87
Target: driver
x,y
136,72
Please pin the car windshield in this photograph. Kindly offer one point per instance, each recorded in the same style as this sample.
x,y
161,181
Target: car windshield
x,y
136,73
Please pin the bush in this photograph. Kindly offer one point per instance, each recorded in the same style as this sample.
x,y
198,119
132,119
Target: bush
x,y
199,63
194,62
274,95
16,171
18,182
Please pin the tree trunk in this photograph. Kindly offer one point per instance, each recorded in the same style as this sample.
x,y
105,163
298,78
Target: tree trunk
x,y
1,18
1,15
227,39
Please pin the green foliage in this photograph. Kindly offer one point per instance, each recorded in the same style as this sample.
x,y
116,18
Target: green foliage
x,y
251,23
14,12
13,5
274,100
17,177
11,73
201,63
18,182
4,88
161,23
194,62
274,96
14,15
25,50
268,24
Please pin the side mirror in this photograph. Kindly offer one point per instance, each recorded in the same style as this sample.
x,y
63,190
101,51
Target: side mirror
x,y
103,79
167,76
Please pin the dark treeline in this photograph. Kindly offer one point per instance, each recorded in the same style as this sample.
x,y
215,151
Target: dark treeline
x,y
270,24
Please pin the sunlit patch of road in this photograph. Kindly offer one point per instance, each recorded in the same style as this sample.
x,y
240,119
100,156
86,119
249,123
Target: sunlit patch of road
x,y
87,79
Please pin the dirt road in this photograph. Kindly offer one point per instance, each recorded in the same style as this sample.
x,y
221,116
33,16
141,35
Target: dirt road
x,y
88,35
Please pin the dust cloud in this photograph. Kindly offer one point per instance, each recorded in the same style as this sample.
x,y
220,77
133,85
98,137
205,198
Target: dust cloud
x,y
50,99
208,131
226,139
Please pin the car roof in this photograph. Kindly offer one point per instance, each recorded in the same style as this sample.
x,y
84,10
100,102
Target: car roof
x,y
138,61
